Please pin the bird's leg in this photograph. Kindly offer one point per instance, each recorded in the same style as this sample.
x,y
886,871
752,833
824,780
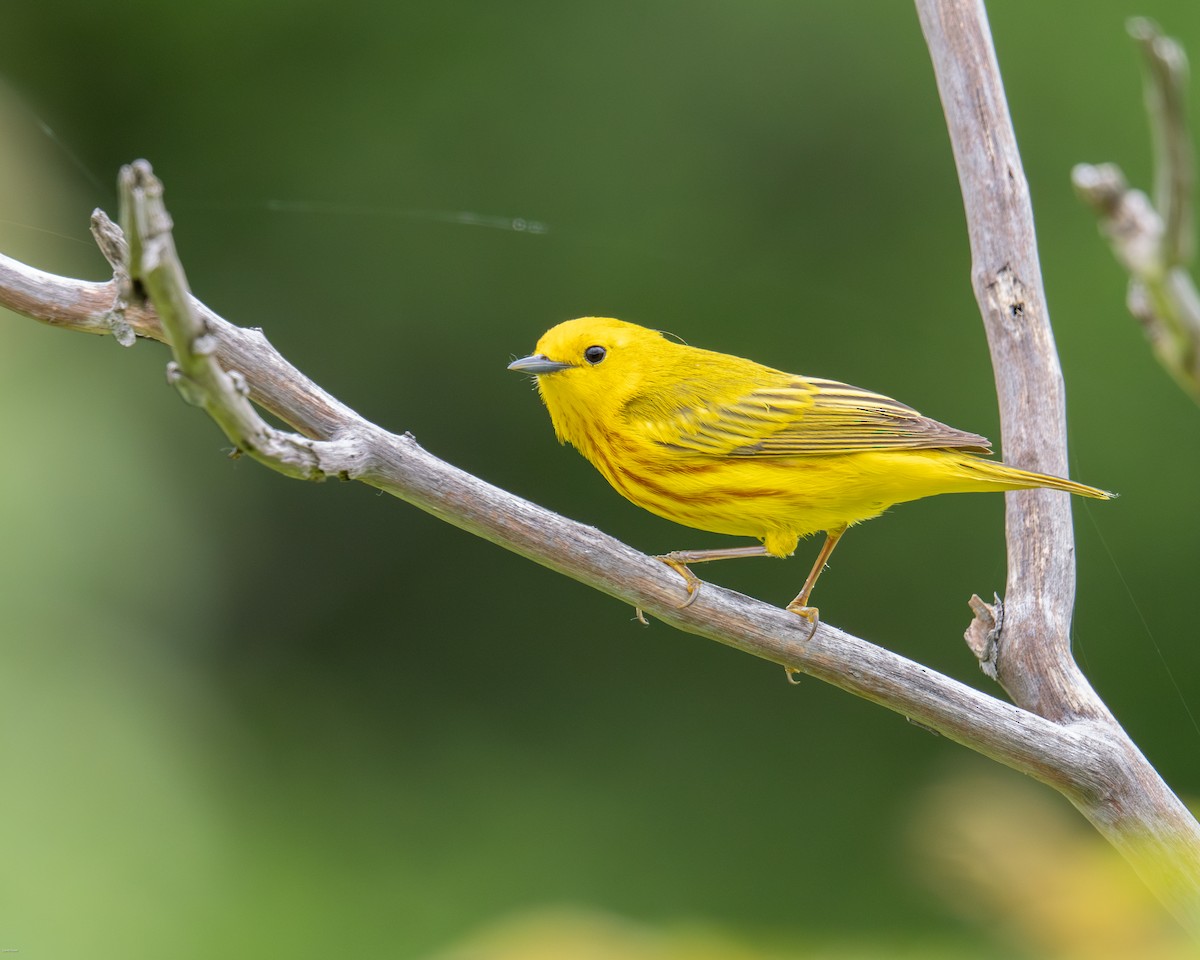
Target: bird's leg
x,y
679,559
800,604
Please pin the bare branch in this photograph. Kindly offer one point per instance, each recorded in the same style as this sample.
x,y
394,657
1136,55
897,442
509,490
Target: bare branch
x,y
222,393
1033,661
1166,68
1025,643
1154,242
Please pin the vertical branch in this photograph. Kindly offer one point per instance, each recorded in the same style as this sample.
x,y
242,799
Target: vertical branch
x,y
1153,241
1029,643
1032,657
1166,69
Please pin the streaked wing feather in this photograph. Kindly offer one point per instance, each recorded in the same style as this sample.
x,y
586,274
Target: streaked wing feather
x,y
808,417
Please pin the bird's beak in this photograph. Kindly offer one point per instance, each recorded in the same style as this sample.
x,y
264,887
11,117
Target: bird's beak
x,y
536,363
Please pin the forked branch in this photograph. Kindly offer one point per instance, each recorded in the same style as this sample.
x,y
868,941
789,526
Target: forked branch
x,y
1029,650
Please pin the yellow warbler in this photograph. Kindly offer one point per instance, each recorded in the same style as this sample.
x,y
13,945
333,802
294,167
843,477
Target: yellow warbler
x,y
727,445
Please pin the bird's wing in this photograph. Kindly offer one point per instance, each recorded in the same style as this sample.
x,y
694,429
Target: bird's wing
x,y
799,417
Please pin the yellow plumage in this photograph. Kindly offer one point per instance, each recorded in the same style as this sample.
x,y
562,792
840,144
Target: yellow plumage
x,y
725,444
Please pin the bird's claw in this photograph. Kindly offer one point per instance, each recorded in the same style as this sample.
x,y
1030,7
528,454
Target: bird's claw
x,y
811,614
692,581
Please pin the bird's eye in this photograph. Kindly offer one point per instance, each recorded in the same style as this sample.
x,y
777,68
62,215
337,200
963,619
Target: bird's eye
x,y
594,355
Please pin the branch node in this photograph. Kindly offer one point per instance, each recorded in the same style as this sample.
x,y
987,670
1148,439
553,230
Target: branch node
x,y
111,241
1126,217
983,635
1100,185
112,244
240,384
1007,296
205,345
120,329
191,392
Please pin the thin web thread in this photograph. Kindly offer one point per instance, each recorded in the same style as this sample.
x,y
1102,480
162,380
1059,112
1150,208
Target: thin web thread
x,y
1145,623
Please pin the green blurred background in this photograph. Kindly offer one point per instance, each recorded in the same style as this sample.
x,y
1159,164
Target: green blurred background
x,y
243,716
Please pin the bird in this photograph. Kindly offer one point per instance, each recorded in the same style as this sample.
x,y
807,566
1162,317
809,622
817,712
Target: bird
x,y
730,446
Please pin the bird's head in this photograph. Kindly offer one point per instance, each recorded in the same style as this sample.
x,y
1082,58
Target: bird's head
x,y
587,369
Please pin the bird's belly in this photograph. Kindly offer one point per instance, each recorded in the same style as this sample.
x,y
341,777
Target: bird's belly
x,y
776,500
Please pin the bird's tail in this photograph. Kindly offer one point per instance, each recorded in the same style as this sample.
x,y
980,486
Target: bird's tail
x,y
1013,478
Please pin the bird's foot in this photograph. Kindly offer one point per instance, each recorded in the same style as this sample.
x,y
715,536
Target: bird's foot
x,y
811,614
692,581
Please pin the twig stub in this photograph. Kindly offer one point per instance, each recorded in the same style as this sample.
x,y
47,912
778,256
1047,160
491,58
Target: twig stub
x,y
983,633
